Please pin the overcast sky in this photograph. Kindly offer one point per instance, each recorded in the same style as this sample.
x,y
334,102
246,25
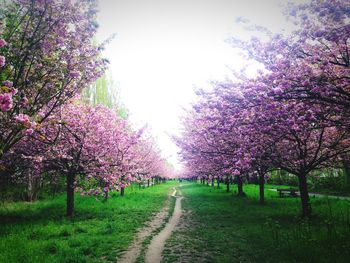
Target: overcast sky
x,y
163,49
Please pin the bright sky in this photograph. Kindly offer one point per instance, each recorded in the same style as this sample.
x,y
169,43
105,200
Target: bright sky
x,y
165,48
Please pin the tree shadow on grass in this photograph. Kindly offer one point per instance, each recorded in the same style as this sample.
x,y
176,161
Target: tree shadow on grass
x,y
25,215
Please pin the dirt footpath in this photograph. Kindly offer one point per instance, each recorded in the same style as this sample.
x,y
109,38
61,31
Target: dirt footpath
x,y
155,249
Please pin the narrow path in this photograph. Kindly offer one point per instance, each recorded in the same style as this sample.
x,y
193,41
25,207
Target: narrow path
x,y
134,250
156,247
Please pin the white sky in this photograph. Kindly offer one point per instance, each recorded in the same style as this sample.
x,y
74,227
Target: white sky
x,y
163,49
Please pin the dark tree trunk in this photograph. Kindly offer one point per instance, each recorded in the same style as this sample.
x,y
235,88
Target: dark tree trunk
x,y
33,189
70,194
212,182
304,195
218,182
54,189
346,165
106,192
148,183
262,188
30,190
240,186
122,191
227,184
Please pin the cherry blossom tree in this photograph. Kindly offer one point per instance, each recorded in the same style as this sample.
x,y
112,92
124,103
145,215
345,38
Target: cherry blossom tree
x,y
49,58
240,128
93,147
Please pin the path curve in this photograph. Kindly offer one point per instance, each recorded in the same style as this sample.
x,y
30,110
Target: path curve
x,y
156,247
134,250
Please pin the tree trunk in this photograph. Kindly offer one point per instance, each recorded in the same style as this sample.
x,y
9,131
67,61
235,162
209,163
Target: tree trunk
x,y
30,189
212,182
106,191
54,189
122,191
346,166
240,186
227,184
70,194
148,183
218,182
262,188
304,195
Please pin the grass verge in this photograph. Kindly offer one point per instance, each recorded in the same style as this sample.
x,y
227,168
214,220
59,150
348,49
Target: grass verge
x,y
99,232
227,228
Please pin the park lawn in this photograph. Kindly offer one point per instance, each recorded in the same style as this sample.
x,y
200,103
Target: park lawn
x,y
222,227
100,231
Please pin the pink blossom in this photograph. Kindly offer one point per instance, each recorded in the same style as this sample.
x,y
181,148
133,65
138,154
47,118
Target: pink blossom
x,y
22,118
7,83
29,132
24,102
236,172
2,61
14,91
2,43
5,102
74,74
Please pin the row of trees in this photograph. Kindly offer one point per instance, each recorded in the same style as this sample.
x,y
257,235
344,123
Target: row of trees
x,y
47,132
294,115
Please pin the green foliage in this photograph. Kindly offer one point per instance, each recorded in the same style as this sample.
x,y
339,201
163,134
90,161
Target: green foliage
x,y
100,231
281,177
332,181
105,91
327,181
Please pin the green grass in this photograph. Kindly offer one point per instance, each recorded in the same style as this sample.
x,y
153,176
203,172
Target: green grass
x,y
99,232
222,227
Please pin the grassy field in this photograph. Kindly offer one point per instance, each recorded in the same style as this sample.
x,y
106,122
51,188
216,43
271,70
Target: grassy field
x,y
99,232
220,227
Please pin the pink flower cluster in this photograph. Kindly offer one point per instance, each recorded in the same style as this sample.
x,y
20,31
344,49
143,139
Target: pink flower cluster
x,y
2,58
24,120
2,61
6,92
2,43
6,102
